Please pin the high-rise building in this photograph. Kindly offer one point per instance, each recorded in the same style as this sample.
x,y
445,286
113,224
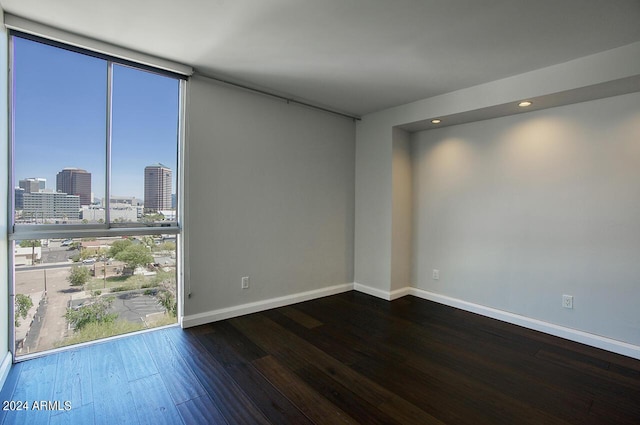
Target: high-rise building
x,y
157,188
33,184
74,181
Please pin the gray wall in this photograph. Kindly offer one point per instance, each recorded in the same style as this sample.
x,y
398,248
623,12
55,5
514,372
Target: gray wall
x,y
517,211
402,213
374,157
270,195
373,217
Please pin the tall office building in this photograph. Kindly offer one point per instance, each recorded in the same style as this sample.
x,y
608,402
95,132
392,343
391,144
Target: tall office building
x,y
74,181
157,188
33,184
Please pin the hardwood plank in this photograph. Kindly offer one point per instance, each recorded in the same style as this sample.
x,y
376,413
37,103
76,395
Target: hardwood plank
x,y
201,410
113,399
9,387
275,340
239,345
300,317
273,405
234,404
359,408
348,358
592,366
316,407
512,373
606,413
344,343
562,391
136,358
77,415
453,398
179,379
546,398
153,402
27,417
73,379
504,384
35,384
483,365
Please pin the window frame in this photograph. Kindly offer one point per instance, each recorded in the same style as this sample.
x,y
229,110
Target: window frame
x,y
172,227
18,232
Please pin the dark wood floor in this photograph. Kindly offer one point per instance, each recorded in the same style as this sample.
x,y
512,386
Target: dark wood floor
x,y
345,359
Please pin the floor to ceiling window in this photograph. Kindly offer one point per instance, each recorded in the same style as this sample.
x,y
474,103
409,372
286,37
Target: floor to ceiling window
x,y
95,177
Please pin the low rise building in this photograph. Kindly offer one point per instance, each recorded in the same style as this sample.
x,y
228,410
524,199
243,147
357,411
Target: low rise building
x,y
50,206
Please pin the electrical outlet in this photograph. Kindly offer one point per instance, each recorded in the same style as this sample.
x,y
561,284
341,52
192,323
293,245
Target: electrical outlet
x,y
436,274
245,282
567,301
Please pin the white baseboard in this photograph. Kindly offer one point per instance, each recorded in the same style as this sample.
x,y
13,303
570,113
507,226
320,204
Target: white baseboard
x,y
240,310
5,367
593,340
586,338
385,295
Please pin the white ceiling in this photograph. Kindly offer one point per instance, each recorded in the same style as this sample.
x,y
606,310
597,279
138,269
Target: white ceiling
x,y
355,56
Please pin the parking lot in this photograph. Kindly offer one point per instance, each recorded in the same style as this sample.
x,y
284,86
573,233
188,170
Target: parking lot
x,y
51,326
132,306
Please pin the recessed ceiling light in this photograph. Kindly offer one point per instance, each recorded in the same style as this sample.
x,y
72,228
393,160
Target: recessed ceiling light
x,y
436,121
524,104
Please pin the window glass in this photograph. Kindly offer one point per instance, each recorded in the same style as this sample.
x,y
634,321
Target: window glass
x,y
59,133
95,156
81,289
144,153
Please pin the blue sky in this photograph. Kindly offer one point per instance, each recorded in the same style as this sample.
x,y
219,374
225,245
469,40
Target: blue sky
x,y
60,118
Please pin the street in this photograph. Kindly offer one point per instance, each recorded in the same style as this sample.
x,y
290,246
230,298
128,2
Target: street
x,y
49,325
46,283
53,326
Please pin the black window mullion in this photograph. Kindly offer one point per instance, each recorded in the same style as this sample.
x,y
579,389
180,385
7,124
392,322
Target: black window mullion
x,y
98,55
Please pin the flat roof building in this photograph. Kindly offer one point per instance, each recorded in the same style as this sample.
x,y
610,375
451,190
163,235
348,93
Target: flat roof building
x,y
32,184
50,205
157,188
75,181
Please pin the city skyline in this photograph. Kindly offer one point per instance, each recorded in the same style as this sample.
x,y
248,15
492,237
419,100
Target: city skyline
x,y
60,103
28,184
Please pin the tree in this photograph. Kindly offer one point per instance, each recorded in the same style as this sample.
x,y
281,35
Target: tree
x,y
23,304
97,311
148,241
168,301
150,218
118,246
33,243
90,252
78,275
102,253
167,246
135,255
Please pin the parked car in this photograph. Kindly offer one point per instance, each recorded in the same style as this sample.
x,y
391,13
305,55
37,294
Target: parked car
x,y
89,261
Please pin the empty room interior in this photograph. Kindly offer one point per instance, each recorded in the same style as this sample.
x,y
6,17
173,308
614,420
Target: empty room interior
x,y
372,212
